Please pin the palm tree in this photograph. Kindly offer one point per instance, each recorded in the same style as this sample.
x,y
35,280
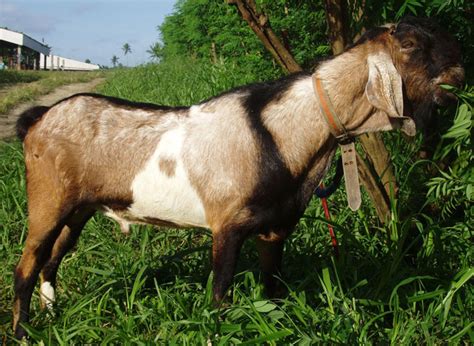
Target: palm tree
x,y
126,49
115,60
156,51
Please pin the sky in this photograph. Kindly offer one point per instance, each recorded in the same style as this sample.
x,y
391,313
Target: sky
x,y
89,29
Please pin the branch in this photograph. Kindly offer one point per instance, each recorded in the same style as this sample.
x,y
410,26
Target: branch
x,y
260,25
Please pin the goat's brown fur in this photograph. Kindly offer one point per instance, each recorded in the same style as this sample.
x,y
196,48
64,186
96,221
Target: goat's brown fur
x,y
167,166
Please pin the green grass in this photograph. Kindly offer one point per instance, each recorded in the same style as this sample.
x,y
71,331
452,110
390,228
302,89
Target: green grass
x,y
20,86
409,282
177,83
9,77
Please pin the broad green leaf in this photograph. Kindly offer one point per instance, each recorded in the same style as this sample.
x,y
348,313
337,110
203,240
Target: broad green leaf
x,y
264,306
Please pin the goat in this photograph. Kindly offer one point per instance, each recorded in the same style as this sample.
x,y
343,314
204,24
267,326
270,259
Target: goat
x,y
245,163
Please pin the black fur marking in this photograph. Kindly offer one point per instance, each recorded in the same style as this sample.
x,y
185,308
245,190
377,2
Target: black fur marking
x,y
444,50
266,91
274,173
50,268
369,35
261,94
23,291
336,181
28,119
426,25
278,200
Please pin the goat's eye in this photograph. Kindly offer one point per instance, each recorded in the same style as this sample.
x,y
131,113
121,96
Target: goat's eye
x,y
407,44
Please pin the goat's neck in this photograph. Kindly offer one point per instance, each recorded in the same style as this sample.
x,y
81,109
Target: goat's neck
x,y
344,78
297,124
298,128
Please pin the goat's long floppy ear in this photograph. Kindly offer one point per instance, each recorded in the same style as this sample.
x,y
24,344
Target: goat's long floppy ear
x,y
384,90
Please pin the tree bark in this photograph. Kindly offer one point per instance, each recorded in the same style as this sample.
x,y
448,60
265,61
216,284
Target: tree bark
x,y
258,22
336,18
213,53
376,191
379,158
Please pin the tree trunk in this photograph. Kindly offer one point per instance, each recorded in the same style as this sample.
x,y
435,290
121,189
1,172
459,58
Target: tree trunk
x,y
373,186
258,22
379,158
213,53
336,13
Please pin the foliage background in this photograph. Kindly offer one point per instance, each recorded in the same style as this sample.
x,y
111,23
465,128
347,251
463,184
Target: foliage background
x,y
196,24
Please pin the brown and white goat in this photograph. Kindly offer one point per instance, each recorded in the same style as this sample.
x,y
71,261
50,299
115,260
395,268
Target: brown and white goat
x,y
243,163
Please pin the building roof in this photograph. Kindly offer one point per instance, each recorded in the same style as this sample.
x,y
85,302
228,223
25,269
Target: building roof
x,y
22,39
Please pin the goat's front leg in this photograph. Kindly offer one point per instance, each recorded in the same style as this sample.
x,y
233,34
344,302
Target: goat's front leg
x,y
270,252
225,251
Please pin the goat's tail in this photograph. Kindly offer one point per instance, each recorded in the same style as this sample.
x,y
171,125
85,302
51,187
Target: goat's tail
x,y
28,119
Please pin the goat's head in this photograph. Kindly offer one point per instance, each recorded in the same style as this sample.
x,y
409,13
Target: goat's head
x,y
407,64
426,56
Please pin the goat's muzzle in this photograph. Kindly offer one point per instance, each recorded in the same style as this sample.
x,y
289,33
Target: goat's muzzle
x,y
454,76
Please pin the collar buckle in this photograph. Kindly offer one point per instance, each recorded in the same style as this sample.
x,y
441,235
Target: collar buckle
x,y
345,139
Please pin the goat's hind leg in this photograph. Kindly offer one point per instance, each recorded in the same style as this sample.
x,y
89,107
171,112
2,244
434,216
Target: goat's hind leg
x,y
65,242
48,211
45,224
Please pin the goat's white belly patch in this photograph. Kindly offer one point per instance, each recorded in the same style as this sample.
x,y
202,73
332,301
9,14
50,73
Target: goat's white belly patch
x,y
163,191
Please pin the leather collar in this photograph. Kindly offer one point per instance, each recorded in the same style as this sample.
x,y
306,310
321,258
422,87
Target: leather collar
x,y
335,125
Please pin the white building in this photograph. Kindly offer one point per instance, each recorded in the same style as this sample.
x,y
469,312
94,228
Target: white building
x,y
21,52
56,62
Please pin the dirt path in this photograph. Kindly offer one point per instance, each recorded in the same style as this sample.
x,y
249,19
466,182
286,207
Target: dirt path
x,y
7,121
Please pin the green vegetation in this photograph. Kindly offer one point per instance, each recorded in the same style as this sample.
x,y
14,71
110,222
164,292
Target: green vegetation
x,y
407,282
176,82
213,30
20,86
8,77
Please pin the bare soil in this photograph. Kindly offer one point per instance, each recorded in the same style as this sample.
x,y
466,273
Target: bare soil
x,y
7,121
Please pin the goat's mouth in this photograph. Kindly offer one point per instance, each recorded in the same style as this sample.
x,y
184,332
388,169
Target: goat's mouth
x,y
443,97
454,76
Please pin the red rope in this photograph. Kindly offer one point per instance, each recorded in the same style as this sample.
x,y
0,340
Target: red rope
x,y
335,246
